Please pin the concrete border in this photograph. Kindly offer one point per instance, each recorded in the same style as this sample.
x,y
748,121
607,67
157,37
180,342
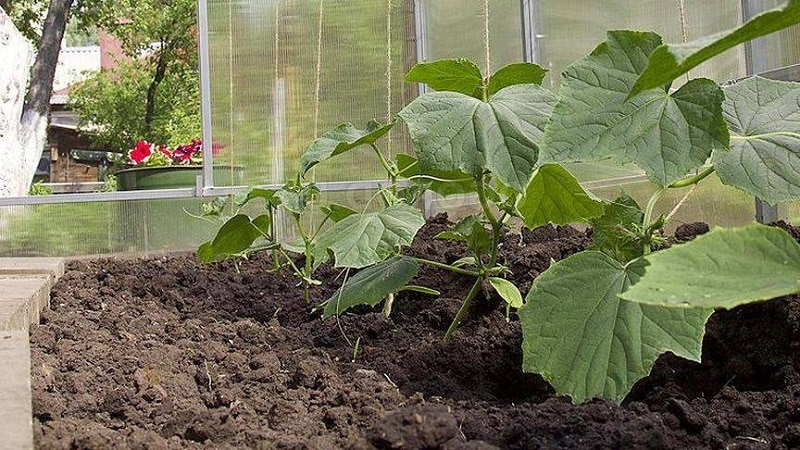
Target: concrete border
x,y
24,292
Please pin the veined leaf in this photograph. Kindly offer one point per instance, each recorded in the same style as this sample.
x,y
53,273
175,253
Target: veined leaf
x,y
268,195
235,236
371,285
587,342
456,75
553,195
514,74
764,121
339,140
364,239
667,135
670,61
295,197
614,233
722,269
455,132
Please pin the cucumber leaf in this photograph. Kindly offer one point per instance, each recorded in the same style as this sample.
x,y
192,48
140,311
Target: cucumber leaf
x,y
667,135
442,182
471,231
341,139
514,74
670,61
337,212
371,285
507,291
456,75
764,158
455,132
615,232
553,195
722,269
360,240
235,236
587,342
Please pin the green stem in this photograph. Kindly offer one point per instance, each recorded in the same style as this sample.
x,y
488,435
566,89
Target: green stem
x,y
388,167
464,310
686,182
648,215
307,251
439,265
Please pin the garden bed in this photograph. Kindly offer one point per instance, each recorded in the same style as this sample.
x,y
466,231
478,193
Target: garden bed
x,y
168,353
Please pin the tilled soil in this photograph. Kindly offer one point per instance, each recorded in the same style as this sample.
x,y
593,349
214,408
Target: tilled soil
x,y
168,353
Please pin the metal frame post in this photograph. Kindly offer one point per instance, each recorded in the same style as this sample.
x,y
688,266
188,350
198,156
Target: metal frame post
x,y
207,180
755,63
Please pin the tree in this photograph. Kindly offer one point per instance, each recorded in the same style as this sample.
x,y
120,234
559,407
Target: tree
x,y
24,118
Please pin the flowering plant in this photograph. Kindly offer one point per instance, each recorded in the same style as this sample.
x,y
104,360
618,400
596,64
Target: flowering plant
x,y
146,154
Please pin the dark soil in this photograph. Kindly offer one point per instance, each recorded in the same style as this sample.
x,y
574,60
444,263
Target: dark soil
x,y
167,353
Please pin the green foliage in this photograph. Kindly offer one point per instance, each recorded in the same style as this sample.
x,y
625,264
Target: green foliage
x,y
670,61
553,195
616,232
765,135
667,135
371,285
722,269
39,189
339,140
587,342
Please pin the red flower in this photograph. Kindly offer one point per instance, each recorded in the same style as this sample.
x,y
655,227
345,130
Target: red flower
x,y
141,152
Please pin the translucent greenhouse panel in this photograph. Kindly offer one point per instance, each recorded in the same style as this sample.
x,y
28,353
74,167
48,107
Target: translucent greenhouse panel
x,y
455,29
137,227
269,100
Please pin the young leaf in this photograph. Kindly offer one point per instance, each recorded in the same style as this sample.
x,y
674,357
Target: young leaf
x,y
214,208
670,61
235,236
361,240
553,195
295,198
764,158
507,290
268,195
456,75
337,212
514,74
667,135
722,269
614,233
455,132
587,342
339,140
471,231
371,285
442,182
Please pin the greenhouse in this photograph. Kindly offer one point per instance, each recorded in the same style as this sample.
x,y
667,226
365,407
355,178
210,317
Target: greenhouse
x,y
419,224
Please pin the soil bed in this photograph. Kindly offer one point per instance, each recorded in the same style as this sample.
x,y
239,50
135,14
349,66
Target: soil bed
x,y
168,353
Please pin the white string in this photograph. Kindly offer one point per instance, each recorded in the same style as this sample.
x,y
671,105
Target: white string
x,y
230,93
389,69
486,39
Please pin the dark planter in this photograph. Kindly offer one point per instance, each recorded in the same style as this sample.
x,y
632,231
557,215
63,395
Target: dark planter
x,y
173,177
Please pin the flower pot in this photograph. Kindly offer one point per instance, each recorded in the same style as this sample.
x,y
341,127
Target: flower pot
x,y
173,177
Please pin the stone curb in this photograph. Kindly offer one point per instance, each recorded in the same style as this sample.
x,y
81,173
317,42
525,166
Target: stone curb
x,y
24,292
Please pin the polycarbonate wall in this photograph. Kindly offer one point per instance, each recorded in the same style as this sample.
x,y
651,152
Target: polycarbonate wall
x,y
270,97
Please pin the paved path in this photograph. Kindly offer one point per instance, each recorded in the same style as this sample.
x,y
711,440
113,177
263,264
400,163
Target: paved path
x,y
24,292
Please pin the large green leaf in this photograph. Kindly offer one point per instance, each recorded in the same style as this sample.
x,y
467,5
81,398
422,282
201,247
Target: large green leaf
x,y
667,135
615,233
764,120
456,132
456,75
553,195
722,269
587,342
234,237
295,197
670,61
371,285
360,240
268,195
341,139
471,231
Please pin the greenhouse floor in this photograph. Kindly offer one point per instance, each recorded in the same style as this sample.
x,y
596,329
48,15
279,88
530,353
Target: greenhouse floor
x,y
24,291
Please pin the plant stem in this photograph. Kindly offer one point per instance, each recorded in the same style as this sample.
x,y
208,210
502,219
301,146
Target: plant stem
x,y
686,182
462,312
487,211
439,265
388,167
648,215
307,251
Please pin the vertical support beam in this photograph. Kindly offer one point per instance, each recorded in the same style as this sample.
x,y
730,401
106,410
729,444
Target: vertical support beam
x,y
207,179
531,30
756,62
